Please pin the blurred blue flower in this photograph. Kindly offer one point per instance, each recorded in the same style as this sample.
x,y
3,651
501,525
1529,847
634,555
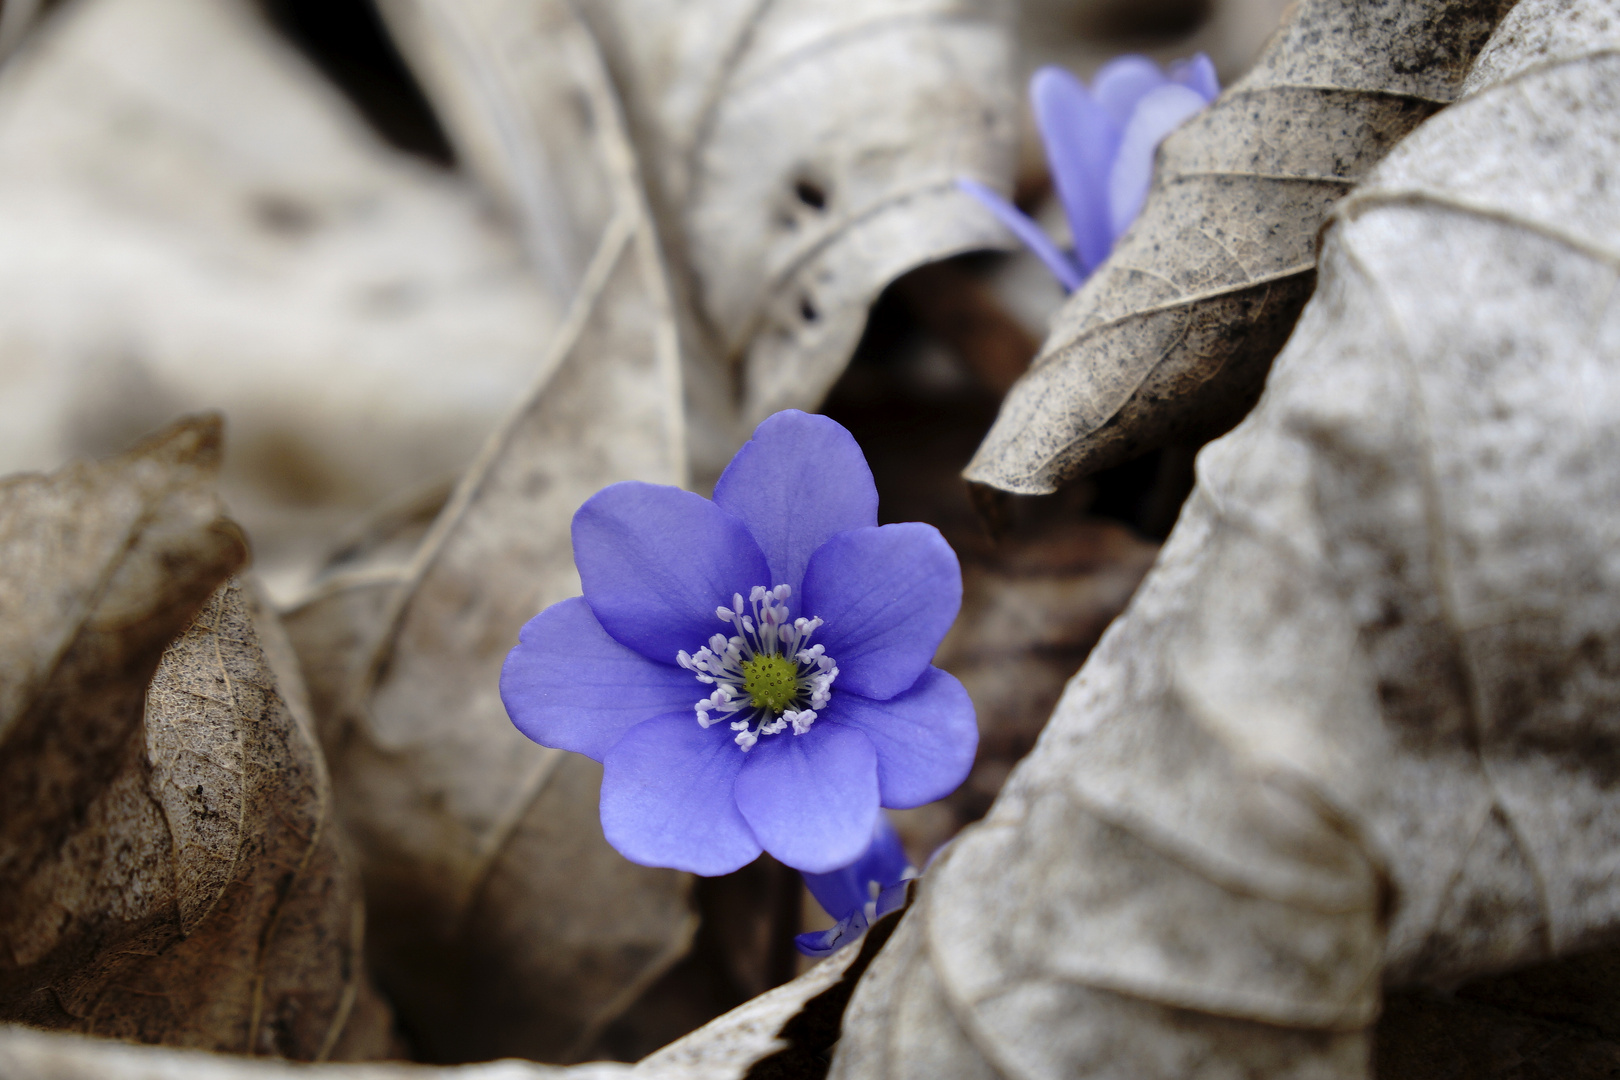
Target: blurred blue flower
x,y
1099,148
807,627
861,893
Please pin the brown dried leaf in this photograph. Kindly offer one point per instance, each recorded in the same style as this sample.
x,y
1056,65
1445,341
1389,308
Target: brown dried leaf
x,y
784,1034
1171,338
171,878
1356,730
503,922
38,1055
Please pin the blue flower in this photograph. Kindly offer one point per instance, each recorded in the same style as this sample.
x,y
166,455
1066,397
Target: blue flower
x,y
806,628
861,893
1099,147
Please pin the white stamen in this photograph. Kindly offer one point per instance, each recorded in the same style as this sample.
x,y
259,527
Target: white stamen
x,y
764,627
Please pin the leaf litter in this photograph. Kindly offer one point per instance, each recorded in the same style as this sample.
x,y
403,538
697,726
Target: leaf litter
x,y
800,156
347,634
170,871
1170,340
504,922
194,219
1352,735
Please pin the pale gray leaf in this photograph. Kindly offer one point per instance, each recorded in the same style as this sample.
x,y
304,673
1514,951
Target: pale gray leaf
x,y
1355,732
800,155
191,217
503,921
1171,338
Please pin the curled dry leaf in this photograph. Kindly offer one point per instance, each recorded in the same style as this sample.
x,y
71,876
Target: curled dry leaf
x,y
800,155
175,880
502,922
1356,730
191,217
1171,338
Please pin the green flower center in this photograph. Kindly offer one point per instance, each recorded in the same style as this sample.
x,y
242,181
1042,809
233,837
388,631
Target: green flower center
x,y
771,680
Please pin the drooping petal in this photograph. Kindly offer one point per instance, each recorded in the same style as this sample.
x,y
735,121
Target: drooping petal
x,y
1065,269
1123,82
570,685
667,797
848,888
925,738
887,596
1160,113
853,925
799,480
1080,140
811,798
656,561
819,943
1197,73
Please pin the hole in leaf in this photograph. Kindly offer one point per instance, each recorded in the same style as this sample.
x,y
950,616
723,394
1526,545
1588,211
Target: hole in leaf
x,y
811,194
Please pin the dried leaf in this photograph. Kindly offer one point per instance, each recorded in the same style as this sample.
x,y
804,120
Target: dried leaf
x,y
1356,729
100,566
37,1055
192,217
503,922
172,878
799,156
1171,338
781,1035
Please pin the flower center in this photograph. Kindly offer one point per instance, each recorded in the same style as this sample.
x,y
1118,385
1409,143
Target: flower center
x,y
772,681
766,675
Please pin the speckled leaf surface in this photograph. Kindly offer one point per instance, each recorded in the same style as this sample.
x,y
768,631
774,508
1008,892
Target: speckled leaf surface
x,y
1354,736
171,873
503,921
1172,337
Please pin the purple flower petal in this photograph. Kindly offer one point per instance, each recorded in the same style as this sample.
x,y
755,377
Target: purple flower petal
x,y
656,561
887,596
799,480
847,889
925,738
1197,73
667,797
1020,225
853,925
571,686
1123,82
811,798
819,943
1159,113
1080,141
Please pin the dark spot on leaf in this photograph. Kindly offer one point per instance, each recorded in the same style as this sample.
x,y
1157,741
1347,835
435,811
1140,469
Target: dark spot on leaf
x,y
283,215
811,194
807,309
